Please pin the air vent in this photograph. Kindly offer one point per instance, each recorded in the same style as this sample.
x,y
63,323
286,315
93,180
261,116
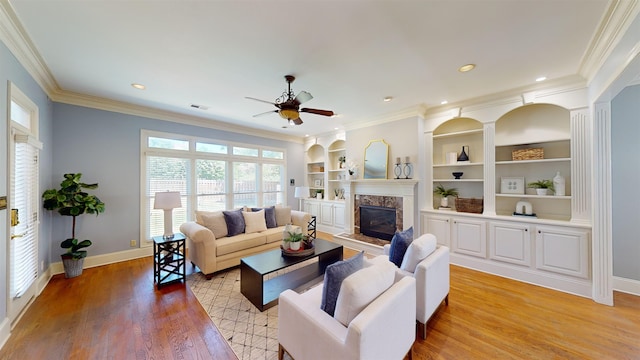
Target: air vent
x,y
201,107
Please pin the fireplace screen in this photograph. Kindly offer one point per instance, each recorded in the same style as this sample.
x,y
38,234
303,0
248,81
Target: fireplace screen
x,y
378,221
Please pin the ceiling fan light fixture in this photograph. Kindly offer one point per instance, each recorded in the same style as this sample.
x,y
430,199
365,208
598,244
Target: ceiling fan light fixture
x,y
291,123
289,114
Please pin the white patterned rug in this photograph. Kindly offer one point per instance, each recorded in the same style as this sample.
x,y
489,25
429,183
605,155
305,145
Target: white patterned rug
x,y
252,334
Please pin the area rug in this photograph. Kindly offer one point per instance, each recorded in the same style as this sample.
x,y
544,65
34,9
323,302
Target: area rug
x,y
252,334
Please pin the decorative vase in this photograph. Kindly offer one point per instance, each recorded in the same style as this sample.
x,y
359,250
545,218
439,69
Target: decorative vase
x,y
72,267
285,244
541,192
444,202
558,184
294,246
463,155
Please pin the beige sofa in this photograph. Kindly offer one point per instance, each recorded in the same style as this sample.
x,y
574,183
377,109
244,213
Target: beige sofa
x,y
212,249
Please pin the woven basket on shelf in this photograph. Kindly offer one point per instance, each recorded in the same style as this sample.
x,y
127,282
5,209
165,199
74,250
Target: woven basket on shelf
x,y
527,154
469,205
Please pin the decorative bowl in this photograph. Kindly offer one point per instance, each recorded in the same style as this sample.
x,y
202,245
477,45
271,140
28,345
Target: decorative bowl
x,y
457,174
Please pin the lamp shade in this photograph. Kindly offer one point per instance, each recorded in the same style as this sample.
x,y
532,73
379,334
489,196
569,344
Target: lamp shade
x,y
301,192
167,200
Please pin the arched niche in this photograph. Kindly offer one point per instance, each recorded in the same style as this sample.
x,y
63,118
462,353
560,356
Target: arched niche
x,y
533,123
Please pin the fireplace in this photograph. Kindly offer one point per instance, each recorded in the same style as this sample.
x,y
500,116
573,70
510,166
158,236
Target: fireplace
x,y
378,221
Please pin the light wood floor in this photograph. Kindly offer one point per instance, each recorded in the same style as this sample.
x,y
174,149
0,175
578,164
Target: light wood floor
x,y
115,312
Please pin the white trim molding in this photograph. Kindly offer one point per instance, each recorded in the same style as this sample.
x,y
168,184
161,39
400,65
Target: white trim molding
x,y
628,286
106,259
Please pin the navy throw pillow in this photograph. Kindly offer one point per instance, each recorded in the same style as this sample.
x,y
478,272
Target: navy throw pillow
x,y
269,216
235,222
333,276
399,245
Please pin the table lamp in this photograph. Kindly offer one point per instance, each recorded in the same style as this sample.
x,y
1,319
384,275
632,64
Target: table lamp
x,y
167,201
301,192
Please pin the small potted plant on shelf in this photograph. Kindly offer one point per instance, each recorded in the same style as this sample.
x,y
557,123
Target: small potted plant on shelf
x,y
71,200
444,194
541,186
341,160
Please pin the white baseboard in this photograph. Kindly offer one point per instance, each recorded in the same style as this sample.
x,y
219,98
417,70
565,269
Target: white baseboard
x,y
99,260
628,286
5,332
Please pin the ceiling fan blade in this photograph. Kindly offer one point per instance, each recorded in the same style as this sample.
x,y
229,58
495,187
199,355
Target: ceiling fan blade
x,y
297,121
317,111
302,97
264,101
266,113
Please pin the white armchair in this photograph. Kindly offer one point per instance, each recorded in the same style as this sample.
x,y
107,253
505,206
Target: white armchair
x,y
384,329
432,284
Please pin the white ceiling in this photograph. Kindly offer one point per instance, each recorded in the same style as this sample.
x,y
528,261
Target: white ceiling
x,y
347,54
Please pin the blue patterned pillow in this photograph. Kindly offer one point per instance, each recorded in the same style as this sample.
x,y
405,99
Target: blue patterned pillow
x,y
235,222
269,216
399,244
333,276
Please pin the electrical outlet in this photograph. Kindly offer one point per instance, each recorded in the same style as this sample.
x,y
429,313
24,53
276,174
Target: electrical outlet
x,y
133,243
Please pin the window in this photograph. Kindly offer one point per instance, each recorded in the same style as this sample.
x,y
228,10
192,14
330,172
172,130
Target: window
x,y
209,174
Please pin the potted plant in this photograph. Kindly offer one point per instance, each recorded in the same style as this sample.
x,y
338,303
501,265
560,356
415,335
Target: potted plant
x,y
295,240
71,200
341,161
541,186
444,194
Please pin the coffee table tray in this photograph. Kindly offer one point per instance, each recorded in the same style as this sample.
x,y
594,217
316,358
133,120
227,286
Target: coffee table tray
x,y
298,253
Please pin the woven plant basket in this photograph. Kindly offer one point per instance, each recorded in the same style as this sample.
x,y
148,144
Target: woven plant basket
x,y
72,267
527,154
469,205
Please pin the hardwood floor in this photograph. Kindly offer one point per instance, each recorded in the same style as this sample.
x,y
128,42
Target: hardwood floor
x,y
115,312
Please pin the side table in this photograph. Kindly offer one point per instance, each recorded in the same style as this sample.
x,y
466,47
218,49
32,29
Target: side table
x,y
169,263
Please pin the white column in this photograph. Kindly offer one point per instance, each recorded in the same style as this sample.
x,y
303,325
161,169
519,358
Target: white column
x,y
581,160
489,168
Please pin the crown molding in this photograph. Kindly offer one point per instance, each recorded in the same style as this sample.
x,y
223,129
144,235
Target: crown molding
x,y
613,25
414,111
99,103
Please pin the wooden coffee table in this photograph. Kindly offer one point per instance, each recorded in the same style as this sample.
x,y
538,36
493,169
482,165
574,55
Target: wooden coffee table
x,y
264,294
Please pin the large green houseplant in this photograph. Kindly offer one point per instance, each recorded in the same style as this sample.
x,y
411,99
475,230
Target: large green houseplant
x,y
71,200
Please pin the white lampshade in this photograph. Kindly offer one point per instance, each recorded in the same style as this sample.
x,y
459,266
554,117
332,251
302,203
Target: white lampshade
x,y
301,192
167,201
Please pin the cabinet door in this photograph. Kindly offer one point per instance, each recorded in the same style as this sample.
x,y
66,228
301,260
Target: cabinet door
x,y
469,237
326,214
510,242
440,226
312,207
563,251
338,216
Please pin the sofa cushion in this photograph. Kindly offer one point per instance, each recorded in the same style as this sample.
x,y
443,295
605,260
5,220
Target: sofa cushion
x,y
399,244
283,215
235,222
419,249
269,216
359,289
239,242
214,221
254,221
333,276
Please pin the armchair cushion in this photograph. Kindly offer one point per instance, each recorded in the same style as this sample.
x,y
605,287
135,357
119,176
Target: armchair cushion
x,y
214,221
269,216
418,250
283,215
333,276
254,221
399,244
359,289
235,222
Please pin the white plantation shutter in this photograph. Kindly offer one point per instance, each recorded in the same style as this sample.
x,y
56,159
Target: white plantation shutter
x,y
24,246
166,173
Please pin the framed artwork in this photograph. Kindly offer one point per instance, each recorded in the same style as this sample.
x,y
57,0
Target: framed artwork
x,y
317,183
512,185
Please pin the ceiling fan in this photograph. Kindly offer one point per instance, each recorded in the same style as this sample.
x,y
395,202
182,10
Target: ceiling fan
x,y
289,105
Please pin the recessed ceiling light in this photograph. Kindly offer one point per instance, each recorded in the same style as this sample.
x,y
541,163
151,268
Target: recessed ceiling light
x,y
335,128
138,86
443,102
541,78
468,67
387,98
306,135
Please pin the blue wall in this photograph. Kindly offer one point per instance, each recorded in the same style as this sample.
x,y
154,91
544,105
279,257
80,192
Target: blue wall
x,y
12,71
105,147
625,172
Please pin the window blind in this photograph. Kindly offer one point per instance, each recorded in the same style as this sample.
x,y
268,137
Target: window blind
x,y
24,245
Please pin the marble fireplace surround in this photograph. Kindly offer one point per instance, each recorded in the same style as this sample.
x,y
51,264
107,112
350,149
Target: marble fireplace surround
x,y
399,194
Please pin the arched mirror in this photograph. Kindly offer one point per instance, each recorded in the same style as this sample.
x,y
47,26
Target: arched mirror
x,y
375,160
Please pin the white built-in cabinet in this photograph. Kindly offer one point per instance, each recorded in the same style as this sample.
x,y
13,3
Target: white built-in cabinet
x,y
330,215
551,249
